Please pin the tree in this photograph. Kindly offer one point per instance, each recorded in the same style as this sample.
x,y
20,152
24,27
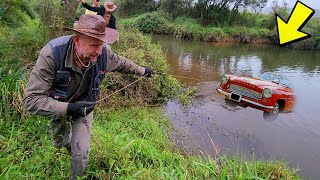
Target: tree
x,y
224,11
173,7
127,8
68,11
257,5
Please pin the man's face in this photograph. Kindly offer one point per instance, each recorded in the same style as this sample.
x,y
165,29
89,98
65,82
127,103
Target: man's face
x,y
88,48
108,14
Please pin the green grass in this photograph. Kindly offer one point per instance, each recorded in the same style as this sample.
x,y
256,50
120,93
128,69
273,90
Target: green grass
x,y
11,94
126,144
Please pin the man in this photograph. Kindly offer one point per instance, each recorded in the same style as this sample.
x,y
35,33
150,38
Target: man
x,y
64,84
106,11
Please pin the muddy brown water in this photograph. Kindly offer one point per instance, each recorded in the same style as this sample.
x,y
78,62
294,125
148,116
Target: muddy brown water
x,y
210,125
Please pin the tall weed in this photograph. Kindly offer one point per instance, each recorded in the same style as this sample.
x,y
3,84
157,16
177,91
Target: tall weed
x,y
158,89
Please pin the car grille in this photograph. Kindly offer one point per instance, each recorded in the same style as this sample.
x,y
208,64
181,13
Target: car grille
x,y
244,91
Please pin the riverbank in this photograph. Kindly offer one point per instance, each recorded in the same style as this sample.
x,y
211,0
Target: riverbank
x,y
188,28
129,140
126,143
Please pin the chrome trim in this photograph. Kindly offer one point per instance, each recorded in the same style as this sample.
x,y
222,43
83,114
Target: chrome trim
x,y
244,99
245,91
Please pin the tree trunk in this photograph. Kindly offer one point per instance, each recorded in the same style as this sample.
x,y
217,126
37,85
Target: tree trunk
x,y
68,11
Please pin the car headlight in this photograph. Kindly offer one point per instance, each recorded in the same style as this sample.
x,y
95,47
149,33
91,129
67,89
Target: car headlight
x,y
267,93
224,79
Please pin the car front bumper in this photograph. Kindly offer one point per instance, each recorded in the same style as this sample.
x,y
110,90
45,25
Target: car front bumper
x,y
228,96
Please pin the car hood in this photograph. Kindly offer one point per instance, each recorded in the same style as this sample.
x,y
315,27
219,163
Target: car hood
x,y
253,82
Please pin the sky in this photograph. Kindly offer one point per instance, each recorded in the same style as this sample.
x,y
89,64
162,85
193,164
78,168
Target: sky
x,y
314,4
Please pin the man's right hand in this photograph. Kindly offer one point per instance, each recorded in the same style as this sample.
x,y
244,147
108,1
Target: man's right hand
x,y
147,71
80,108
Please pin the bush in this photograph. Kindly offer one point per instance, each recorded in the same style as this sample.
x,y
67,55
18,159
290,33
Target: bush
x,y
313,28
21,46
188,28
155,22
16,13
158,89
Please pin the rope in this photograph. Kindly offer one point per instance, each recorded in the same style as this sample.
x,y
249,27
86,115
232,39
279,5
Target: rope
x,y
178,76
121,89
139,80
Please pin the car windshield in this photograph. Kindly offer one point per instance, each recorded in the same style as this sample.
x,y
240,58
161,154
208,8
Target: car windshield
x,y
276,78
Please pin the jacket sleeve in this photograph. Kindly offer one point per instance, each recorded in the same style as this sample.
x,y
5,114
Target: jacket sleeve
x,y
37,100
121,64
112,22
91,8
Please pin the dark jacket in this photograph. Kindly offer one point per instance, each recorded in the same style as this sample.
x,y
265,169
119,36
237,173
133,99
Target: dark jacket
x,y
45,93
101,11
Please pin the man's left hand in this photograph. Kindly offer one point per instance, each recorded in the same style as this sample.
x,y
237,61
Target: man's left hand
x,y
80,108
148,71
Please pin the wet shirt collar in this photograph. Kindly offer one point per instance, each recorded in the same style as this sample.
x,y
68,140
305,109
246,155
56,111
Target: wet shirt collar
x,y
69,62
69,57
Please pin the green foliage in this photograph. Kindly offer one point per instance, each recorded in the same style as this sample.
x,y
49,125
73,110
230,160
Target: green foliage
x,y
54,16
156,22
282,12
16,13
208,12
184,97
248,19
26,151
312,28
158,89
221,13
20,46
127,8
188,28
126,143
183,27
11,87
173,7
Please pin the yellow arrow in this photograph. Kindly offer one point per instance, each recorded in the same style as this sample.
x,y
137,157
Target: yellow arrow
x,y
290,32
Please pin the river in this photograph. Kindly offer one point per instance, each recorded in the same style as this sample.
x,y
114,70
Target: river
x,y
209,125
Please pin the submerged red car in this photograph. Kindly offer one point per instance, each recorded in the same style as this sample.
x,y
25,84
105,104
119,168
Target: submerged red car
x,y
270,93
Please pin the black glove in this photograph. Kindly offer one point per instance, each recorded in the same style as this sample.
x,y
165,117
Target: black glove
x,y
80,108
148,71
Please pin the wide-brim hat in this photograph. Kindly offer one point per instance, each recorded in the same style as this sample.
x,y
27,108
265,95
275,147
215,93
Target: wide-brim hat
x,y
95,26
110,6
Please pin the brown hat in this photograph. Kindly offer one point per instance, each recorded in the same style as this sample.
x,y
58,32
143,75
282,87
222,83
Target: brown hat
x,y
95,26
110,6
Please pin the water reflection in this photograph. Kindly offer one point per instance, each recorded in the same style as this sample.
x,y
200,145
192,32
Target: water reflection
x,y
243,65
294,137
236,59
185,61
